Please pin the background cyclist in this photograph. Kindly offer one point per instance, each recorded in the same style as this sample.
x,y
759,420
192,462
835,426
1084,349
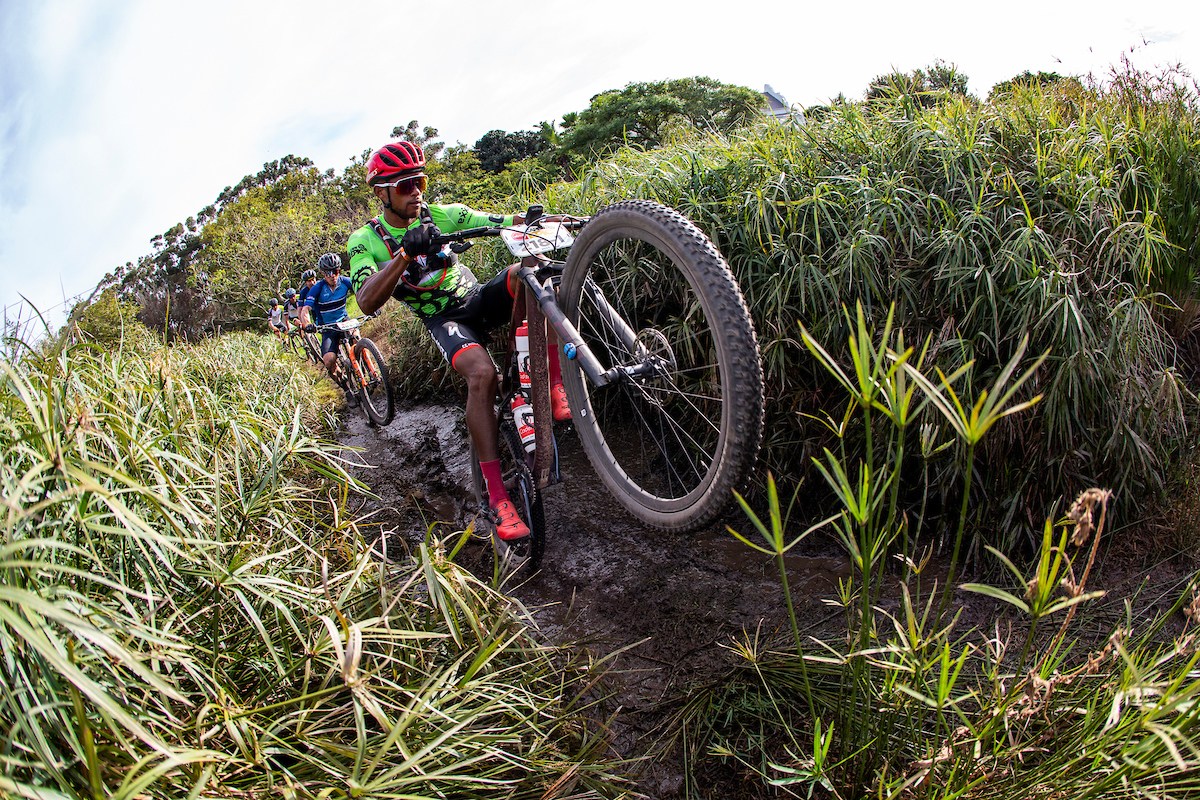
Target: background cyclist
x,y
325,304
291,309
275,318
308,279
391,256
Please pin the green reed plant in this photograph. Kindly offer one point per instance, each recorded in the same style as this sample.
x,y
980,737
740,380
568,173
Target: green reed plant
x,y
1058,213
920,706
186,609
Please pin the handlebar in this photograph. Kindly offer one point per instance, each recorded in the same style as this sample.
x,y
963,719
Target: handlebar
x,y
532,215
348,324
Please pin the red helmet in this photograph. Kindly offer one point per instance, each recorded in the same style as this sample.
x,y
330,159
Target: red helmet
x,y
395,160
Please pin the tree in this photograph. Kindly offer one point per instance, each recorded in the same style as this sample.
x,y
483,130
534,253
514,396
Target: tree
x,y
496,149
1026,79
927,87
422,137
640,114
107,320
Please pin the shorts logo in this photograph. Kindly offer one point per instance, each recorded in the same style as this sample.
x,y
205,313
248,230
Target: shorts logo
x,y
452,329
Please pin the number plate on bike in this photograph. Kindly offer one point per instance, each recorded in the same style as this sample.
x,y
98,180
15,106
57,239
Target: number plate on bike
x,y
536,240
346,324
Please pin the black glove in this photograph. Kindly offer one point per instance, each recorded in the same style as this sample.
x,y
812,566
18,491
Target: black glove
x,y
310,328
419,240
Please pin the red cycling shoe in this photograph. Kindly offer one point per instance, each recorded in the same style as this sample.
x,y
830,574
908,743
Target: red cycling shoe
x,y
508,525
558,403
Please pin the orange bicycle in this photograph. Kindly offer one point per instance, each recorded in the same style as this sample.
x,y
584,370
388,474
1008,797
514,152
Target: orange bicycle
x,y
362,371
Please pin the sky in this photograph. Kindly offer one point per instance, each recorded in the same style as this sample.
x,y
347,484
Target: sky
x,y
120,118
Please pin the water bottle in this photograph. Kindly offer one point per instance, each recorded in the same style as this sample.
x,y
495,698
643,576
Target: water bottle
x,y
523,416
522,337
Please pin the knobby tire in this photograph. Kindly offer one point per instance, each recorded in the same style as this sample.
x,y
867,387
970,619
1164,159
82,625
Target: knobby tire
x,y
375,393
677,438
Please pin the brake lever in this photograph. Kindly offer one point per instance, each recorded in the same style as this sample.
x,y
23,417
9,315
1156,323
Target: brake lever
x,y
461,247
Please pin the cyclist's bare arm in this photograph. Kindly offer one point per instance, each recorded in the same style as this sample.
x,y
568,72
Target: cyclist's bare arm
x,y
376,289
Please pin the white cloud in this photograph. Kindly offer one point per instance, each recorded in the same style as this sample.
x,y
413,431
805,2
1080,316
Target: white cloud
x,y
120,119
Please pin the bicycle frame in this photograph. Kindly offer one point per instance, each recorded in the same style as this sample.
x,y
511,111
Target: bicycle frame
x,y
568,336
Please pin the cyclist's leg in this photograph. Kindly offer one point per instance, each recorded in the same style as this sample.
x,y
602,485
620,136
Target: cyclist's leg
x,y
477,368
329,346
558,395
461,346
330,341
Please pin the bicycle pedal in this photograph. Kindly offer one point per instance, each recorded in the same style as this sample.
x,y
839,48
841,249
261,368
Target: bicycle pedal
x,y
512,555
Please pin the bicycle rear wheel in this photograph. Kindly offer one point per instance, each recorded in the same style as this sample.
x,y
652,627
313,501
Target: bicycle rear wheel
x,y
680,430
522,490
376,391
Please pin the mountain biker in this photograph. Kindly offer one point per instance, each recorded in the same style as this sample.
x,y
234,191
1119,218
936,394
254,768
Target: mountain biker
x,y
325,304
308,279
392,256
291,309
275,318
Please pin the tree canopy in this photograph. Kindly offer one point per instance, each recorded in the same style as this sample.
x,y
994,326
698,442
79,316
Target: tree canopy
x,y
927,86
640,114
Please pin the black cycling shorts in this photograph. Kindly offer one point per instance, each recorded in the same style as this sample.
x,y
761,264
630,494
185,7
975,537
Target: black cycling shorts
x,y
330,339
486,308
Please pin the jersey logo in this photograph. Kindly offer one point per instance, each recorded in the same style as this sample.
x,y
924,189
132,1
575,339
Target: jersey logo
x,y
462,216
358,248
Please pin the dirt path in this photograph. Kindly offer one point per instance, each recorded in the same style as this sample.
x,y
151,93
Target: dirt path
x,y
605,581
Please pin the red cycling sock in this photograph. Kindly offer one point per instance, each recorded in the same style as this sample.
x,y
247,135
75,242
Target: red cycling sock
x,y
555,367
497,494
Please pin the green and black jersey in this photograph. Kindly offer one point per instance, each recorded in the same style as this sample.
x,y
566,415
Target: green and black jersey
x,y
443,283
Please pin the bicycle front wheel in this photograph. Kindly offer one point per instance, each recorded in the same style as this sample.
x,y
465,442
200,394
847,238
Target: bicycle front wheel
x,y
312,346
679,429
376,389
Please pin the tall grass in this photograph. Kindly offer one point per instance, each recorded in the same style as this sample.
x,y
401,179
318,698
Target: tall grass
x,y
905,700
1060,215
186,610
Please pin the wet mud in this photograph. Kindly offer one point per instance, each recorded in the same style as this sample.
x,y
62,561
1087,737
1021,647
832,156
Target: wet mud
x,y
668,601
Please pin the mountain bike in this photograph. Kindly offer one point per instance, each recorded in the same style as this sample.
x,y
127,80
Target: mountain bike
x,y
660,363
362,371
303,344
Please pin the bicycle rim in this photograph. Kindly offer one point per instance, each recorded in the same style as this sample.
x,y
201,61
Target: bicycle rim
x,y
651,295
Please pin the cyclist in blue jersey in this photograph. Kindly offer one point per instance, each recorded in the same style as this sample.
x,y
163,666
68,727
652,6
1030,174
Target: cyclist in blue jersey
x,y
325,304
308,279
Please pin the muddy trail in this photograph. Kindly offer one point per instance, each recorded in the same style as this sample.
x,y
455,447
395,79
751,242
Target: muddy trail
x,y
668,600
